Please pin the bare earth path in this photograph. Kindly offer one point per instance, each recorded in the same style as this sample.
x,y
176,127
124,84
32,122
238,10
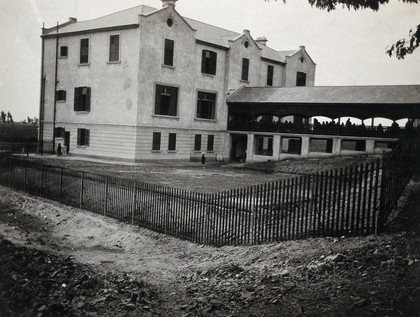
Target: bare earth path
x,y
364,276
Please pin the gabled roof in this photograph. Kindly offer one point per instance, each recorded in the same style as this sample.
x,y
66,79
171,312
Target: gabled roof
x,y
120,18
130,18
399,94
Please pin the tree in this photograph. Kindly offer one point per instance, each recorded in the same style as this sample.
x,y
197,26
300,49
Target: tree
x,y
2,117
401,48
9,117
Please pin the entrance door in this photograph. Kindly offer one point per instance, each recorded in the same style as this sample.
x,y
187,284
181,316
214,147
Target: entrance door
x,y
67,141
238,149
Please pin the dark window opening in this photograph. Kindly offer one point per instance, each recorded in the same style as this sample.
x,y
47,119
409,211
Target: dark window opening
x,y
210,142
166,100
63,51
264,146
197,142
353,145
84,51
270,75
321,145
156,141
169,22
61,95
172,142
245,69
209,62
300,79
83,137
206,105
168,59
114,48
291,145
82,98
59,132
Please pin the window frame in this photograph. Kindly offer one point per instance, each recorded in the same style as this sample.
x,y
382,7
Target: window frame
x,y
300,80
160,94
270,75
165,52
61,51
197,142
77,106
83,139
245,69
61,95
210,141
209,64
88,51
172,141
156,141
198,99
110,48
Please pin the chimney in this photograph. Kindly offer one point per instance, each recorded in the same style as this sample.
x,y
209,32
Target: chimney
x,y
72,20
301,47
166,3
262,40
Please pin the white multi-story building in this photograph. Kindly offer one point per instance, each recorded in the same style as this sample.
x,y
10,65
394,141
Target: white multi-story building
x,y
147,83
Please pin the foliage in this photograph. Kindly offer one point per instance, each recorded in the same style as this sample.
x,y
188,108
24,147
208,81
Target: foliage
x,y
2,117
9,117
401,48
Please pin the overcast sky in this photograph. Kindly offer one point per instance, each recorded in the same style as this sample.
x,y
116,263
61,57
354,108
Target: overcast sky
x,y
347,46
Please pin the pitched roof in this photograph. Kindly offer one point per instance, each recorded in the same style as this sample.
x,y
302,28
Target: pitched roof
x,y
400,94
204,32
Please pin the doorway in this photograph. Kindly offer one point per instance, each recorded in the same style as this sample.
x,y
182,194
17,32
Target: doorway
x,y
67,141
239,146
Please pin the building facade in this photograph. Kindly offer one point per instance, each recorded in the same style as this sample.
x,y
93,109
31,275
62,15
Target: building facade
x,y
147,83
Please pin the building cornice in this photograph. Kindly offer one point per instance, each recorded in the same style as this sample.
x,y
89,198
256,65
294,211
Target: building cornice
x,y
212,45
82,32
265,59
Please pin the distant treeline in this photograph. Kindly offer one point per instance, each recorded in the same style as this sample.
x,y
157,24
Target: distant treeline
x,y
18,132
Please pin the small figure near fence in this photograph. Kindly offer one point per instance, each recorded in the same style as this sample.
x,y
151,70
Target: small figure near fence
x,y
203,159
59,149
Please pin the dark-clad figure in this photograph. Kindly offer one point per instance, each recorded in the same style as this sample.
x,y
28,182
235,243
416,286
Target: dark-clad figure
x,y
59,149
203,159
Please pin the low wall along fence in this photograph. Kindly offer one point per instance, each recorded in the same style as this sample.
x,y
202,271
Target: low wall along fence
x,y
355,200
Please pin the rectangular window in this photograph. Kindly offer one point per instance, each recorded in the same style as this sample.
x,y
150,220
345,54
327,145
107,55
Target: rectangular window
x,y
210,142
206,104
114,48
209,62
82,99
156,141
245,69
61,95
168,59
83,137
59,132
166,100
197,142
300,79
264,146
270,75
84,51
172,142
63,51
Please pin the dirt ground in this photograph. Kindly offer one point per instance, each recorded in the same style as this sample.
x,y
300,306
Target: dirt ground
x,y
60,261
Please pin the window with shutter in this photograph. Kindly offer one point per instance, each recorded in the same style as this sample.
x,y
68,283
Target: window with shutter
x,y
172,142
61,95
300,79
63,52
156,141
83,136
210,142
270,75
166,100
197,142
114,48
206,104
82,96
209,62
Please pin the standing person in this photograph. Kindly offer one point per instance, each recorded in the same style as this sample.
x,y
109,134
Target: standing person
x,y
59,149
203,159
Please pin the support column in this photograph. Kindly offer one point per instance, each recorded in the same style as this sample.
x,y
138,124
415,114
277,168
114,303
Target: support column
x,y
336,150
276,147
370,146
305,146
250,148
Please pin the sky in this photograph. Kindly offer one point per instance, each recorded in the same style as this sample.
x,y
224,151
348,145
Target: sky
x,y
348,46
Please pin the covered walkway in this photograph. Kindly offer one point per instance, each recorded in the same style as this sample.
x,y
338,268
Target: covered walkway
x,y
281,122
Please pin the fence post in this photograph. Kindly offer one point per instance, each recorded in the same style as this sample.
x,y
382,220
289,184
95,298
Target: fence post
x,y
82,178
10,173
24,179
60,184
106,195
42,180
27,147
134,202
